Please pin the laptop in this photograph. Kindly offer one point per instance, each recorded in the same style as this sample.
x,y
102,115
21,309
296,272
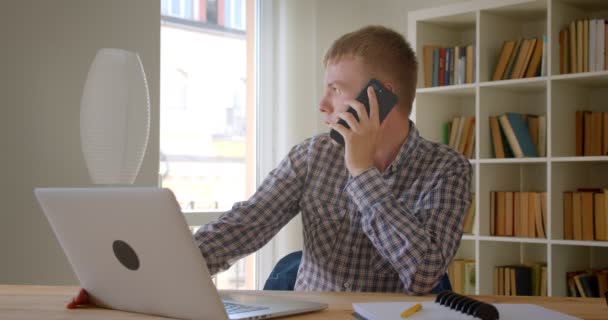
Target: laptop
x,y
132,250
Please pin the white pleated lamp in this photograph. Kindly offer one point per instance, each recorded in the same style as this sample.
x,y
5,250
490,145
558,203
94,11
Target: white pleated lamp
x,y
114,117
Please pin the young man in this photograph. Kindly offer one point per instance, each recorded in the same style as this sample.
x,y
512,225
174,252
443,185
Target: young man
x,y
382,213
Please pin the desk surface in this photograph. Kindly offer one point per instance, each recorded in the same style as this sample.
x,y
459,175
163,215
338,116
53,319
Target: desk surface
x,y
46,302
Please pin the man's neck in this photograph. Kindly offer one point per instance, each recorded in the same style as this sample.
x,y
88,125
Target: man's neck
x,y
394,132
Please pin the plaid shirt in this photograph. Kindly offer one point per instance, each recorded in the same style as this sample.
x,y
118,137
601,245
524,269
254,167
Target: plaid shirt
x,y
391,231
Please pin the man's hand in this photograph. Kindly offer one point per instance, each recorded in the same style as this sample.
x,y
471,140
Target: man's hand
x,y
81,300
360,140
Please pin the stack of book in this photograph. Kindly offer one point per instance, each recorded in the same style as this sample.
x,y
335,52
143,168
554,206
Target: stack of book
x,y
460,135
448,66
522,58
583,46
469,218
587,283
462,276
521,280
591,133
518,135
586,214
518,214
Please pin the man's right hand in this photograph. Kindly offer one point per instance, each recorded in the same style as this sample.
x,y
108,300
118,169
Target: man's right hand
x,y
81,300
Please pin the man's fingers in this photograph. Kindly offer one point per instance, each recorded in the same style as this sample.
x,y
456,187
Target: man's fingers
x,y
350,120
360,108
81,299
341,130
373,105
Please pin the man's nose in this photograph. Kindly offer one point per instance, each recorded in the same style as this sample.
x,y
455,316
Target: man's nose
x,y
324,105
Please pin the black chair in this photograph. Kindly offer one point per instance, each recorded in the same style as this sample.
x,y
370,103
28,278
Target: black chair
x,y
283,275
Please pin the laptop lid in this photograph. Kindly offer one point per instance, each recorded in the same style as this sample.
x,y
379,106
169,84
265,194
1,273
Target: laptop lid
x,y
132,250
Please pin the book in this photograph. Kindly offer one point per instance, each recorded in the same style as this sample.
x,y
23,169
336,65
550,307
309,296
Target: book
x,y
518,135
572,32
469,219
563,51
592,45
600,44
577,216
469,277
587,215
470,70
544,62
567,221
435,67
450,305
542,136
512,58
500,213
524,210
428,62
517,214
497,143
605,128
587,285
538,215
587,133
578,125
522,56
585,45
533,206
579,46
505,55
596,135
599,215
508,213
533,69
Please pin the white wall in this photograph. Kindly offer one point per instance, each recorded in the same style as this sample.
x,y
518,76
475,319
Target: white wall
x,y
46,50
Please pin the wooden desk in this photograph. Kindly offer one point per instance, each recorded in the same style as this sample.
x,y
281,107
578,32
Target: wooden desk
x,y
45,302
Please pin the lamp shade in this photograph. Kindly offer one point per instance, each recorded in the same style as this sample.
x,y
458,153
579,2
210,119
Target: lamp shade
x,y
114,117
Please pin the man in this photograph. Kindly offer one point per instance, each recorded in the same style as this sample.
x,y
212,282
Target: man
x,y
382,213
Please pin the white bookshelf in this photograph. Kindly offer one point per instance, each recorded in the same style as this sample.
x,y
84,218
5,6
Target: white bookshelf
x,y
487,24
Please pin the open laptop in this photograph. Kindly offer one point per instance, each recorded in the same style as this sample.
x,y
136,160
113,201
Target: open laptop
x,y
132,250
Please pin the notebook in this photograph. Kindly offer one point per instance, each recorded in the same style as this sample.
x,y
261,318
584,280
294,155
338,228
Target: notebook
x,y
449,305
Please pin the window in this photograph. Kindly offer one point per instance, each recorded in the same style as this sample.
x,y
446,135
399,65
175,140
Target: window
x,y
207,113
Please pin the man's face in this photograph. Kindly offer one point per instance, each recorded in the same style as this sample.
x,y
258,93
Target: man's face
x,y
344,80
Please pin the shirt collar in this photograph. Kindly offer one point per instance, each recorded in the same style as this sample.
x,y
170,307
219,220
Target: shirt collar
x,y
407,148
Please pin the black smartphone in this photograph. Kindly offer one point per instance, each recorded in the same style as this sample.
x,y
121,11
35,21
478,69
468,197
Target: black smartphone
x,y
386,101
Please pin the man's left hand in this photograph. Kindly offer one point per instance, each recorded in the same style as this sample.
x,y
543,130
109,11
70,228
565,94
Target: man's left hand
x,y
360,139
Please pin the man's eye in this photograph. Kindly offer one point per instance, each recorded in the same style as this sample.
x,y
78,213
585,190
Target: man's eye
x,y
336,90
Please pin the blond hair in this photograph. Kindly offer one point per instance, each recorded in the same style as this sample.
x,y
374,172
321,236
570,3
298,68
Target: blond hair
x,y
385,54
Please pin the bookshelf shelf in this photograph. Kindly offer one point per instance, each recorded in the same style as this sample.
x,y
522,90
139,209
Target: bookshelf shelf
x,y
581,243
535,84
513,239
579,159
512,160
453,90
487,24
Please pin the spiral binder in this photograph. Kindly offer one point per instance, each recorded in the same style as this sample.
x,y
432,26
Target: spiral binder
x,y
467,305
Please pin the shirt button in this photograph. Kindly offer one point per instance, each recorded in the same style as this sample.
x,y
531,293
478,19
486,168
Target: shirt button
x,y
347,285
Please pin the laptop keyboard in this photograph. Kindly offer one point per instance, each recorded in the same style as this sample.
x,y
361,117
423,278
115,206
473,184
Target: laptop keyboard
x,y
233,308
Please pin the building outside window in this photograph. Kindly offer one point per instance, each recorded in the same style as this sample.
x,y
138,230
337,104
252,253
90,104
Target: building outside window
x,y
206,116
